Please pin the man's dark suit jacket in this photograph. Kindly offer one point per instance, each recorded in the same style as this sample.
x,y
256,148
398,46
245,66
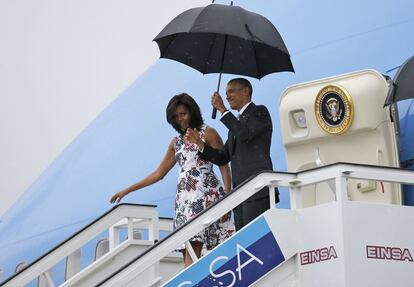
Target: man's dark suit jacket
x,y
247,146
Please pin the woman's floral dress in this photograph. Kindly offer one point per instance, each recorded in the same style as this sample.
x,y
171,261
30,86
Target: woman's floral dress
x,y
197,189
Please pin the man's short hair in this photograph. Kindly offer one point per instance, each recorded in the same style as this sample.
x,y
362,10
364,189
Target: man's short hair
x,y
243,82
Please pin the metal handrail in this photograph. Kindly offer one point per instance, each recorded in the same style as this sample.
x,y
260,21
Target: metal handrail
x,y
340,172
201,221
80,238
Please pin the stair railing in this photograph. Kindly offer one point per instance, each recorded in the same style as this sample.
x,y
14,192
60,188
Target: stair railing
x,y
340,172
135,215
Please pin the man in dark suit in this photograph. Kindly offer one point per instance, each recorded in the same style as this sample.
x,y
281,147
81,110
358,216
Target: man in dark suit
x,y
247,146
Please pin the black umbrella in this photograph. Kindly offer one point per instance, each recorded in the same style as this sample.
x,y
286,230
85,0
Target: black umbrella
x,y
403,85
225,39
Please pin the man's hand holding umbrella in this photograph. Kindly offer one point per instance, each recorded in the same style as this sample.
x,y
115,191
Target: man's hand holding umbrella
x,y
217,103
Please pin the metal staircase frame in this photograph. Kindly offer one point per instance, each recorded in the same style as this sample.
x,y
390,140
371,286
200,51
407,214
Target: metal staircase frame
x,y
121,215
340,172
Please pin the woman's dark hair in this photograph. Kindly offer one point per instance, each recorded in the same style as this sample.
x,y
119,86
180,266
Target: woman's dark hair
x,y
196,120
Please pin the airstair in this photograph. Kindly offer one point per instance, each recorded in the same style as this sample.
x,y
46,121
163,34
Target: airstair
x,y
339,243
346,226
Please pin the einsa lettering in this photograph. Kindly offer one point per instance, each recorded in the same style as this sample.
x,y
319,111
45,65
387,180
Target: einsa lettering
x,y
388,253
233,275
317,255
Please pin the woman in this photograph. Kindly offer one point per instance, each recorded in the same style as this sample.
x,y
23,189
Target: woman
x,y
198,186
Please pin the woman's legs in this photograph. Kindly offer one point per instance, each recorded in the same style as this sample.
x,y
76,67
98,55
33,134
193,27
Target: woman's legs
x,y
197,246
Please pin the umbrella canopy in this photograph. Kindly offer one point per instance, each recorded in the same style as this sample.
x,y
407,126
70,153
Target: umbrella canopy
x,y
225,39
403,86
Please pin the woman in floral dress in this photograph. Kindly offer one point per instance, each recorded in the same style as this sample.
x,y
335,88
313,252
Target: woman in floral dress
x,y
198,187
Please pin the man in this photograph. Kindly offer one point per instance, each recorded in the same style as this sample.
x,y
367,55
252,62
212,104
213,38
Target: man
x,y
247,146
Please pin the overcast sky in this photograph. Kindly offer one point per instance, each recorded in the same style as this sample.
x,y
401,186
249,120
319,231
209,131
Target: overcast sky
x,y
61,63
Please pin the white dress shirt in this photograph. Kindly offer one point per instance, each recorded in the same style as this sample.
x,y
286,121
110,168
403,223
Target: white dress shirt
x,y
240,112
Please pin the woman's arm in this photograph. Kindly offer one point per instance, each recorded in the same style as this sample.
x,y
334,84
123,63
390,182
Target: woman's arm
x,y
218,156
165,166
214,140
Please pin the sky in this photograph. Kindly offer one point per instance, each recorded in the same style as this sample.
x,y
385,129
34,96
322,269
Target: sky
x,y
61,63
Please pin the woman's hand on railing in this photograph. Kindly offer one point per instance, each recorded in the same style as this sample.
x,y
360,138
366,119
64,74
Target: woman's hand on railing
x,y
118,196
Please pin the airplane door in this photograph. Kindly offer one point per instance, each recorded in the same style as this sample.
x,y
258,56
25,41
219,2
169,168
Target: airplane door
x,y
340,119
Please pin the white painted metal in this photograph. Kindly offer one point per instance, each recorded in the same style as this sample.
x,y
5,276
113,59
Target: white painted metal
x,y
283,276
164,224
48,261
129,274
102,247
121,255
72,264
148,269
131,229
341,173
371,138
45,279
113,237
351,227
125,252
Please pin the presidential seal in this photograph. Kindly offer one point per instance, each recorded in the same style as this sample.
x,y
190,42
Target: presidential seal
x,y
334,109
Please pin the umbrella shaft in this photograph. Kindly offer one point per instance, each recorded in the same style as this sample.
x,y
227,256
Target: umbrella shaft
x,y
213,115
219,82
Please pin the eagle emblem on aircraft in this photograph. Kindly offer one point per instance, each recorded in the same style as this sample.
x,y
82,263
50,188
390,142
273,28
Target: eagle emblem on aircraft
x,y
334,109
